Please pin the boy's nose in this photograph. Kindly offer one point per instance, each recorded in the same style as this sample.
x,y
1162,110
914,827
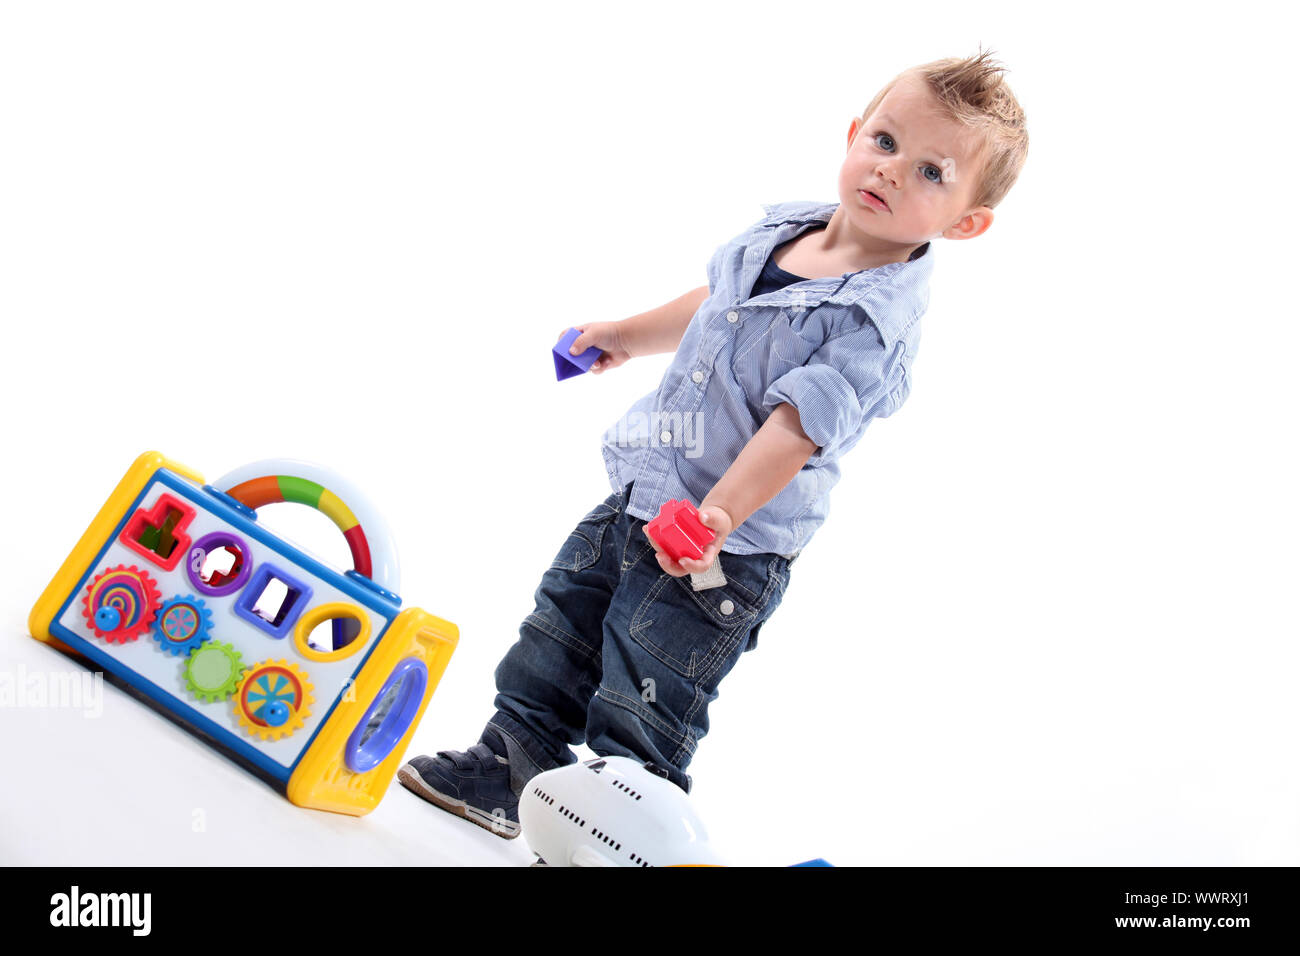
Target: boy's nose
x,y
888,171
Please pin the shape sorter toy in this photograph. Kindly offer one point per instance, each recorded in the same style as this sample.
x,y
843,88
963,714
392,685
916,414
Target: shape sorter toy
x,y
310,679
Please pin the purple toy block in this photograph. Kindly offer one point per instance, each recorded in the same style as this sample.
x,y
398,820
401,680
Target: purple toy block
x,y
566,365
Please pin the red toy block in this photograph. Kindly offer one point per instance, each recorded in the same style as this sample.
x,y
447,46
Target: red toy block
x,y
677,529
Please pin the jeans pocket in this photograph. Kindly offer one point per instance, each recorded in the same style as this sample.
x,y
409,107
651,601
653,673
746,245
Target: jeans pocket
x,y
693,632
583,546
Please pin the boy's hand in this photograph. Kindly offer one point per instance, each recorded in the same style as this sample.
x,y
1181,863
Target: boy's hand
x,y
606,336
717,521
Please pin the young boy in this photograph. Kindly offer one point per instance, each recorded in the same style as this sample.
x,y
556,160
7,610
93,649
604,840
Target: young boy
x,y
806,332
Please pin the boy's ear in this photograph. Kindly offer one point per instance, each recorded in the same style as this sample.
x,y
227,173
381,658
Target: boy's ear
x,y
853,129
974,223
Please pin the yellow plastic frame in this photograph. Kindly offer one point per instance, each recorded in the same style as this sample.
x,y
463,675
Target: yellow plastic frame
x,y
322,780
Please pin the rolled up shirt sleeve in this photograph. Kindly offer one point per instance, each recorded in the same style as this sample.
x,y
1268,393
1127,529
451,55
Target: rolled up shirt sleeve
x,y
845,384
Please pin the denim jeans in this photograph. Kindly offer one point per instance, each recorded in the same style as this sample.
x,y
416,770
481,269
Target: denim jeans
x,y
621,655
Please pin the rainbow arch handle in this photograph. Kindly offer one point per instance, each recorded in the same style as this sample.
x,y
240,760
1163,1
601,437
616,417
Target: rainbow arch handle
x,y
274,480
273,489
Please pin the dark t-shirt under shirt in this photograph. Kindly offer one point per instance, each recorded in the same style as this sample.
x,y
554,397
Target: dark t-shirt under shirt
x,y
773,277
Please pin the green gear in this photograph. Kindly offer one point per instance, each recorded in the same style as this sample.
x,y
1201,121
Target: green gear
x,y
213,671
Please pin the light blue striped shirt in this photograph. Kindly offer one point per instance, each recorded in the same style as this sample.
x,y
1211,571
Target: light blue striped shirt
x,y
839,350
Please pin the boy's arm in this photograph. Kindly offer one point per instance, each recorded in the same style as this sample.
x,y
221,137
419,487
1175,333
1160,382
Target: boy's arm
x,y
659,330
767,463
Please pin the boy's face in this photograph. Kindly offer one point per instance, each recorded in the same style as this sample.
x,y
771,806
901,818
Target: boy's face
x,y
923,165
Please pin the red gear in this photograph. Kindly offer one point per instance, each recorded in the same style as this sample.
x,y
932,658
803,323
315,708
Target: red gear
x,y
129,591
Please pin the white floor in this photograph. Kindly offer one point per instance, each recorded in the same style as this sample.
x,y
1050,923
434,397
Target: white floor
x,y
127,787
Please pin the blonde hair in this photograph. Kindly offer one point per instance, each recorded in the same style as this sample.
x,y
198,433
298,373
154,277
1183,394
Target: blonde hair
x,y
972,92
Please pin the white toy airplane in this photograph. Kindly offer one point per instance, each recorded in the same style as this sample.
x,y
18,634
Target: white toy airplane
x,y
612,811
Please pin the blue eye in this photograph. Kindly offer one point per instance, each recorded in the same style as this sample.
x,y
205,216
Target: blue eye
x,y
886,142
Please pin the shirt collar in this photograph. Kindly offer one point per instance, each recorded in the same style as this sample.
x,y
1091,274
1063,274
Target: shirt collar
x,y
893,296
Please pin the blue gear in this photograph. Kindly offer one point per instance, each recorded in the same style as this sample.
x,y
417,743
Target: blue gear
x,y
180,633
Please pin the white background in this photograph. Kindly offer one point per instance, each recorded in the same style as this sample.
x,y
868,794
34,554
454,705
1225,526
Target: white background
x,y
1051,618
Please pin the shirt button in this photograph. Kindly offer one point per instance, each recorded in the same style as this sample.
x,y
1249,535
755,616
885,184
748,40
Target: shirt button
x,y
665,437
726,607
733,316
697,377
